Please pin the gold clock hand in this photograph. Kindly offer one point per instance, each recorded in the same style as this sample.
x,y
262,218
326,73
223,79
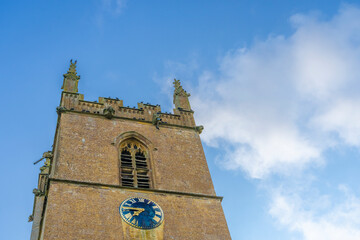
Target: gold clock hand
x,y
137,211
133,208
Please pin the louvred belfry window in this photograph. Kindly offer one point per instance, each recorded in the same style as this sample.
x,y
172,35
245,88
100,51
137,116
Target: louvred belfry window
x,y
134,170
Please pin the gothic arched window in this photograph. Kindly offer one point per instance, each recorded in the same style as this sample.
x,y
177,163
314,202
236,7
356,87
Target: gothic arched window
x,y
134,170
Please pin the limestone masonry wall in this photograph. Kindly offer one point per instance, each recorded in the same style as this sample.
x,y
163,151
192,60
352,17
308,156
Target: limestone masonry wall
x,y
86,212
87,150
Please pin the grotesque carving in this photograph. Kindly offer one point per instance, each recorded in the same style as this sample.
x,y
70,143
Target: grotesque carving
x,y
157,120
60,109
199,129
48,156
109,112
38,193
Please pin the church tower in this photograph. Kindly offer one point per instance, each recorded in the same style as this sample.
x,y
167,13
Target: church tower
x,y
125,173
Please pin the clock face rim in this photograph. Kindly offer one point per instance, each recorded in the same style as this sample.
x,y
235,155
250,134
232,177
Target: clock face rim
x,y
136,226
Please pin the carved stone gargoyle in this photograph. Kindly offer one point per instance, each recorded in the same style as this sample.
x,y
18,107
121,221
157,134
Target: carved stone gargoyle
x,y
60,109
157,120
37,192
48,156
199,129
109,112
31,218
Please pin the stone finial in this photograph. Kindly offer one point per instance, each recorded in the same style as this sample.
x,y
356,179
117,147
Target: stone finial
x,y
181,100
71,79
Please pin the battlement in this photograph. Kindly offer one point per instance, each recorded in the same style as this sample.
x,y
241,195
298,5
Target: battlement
x,y
108,107
144,112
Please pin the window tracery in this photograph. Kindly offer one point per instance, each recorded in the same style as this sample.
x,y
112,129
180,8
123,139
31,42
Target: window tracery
x,y
134,167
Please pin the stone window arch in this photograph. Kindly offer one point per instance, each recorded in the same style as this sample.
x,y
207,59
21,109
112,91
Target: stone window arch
x,y
134,164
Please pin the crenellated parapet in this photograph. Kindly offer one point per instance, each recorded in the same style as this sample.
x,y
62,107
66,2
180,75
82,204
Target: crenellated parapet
x,y
74,102
110,108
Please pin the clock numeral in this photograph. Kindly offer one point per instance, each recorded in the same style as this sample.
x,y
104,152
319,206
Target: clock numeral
x,y
128,215
156,218
127,204
141,200
134,221
132,201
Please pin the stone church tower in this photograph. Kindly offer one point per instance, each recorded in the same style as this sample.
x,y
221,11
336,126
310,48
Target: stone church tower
x,y
125,173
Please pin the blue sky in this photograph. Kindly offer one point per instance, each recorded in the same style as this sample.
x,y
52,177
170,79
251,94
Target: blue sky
x,y
275,83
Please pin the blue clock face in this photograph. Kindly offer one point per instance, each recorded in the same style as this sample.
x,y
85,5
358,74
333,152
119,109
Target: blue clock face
x,y
141,213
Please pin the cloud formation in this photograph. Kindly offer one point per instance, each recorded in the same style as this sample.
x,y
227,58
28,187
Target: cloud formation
x,y
280,104
278,107
320,219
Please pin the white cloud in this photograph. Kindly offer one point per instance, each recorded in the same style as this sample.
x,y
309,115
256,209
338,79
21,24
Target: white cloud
x,y
320,219
342,117
278,103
